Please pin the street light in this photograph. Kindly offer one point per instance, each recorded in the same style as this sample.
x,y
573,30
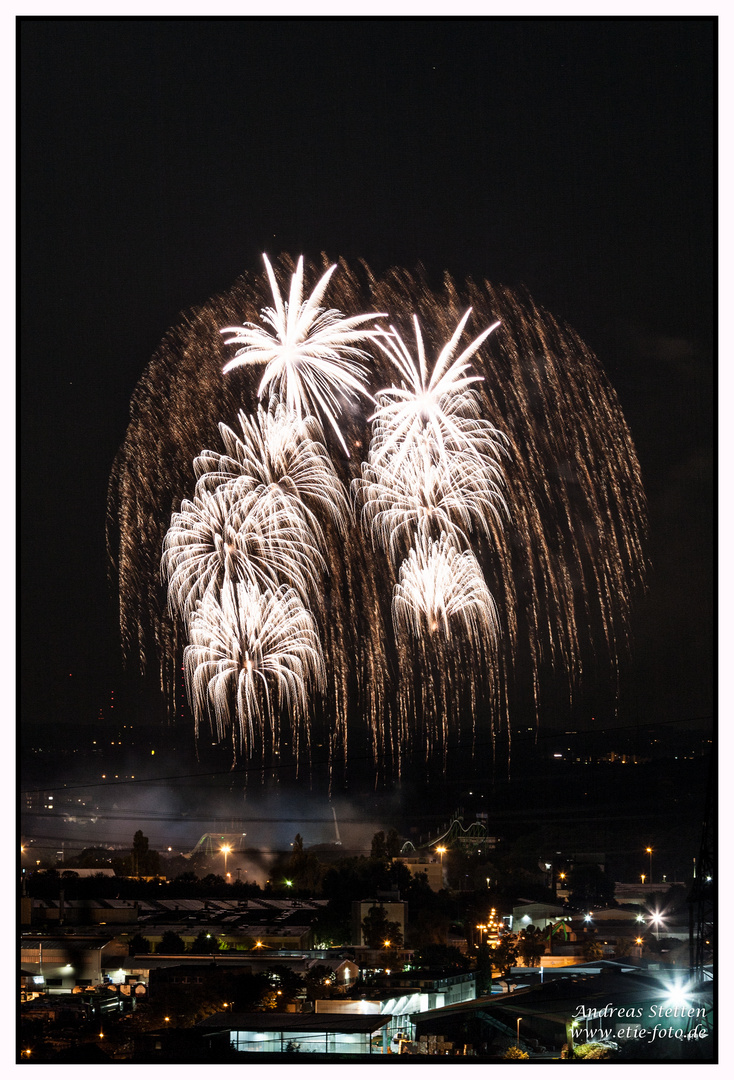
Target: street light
x,y
517,1041
649,852
441,851
225,851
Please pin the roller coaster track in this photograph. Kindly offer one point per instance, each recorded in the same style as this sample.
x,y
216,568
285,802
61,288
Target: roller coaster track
x,y
455,834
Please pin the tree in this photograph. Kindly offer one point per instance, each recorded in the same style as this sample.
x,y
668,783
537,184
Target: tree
x,y
483,970
94,856
514,1053
439,958
285,986
622,948
171,942
205,943
332,925
377,929
593,1052
592,950
428,927
145,863
531,944
504,955
392,844
213,883
379,846
303,867
319,981
138,944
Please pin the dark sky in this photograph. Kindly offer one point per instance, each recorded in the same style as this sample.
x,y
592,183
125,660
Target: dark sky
x,y
160,157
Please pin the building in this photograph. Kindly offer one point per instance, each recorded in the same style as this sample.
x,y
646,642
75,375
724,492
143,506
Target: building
x,y
429,865
608,1003
405,994
301,1033
394,910
59,964
536,914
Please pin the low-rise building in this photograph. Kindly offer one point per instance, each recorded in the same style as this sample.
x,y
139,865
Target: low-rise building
x,y
402,995
302,1033
59,964
536,914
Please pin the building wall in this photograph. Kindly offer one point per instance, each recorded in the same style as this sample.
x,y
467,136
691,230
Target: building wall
x,y
306,1042
394,911
432,868
63,966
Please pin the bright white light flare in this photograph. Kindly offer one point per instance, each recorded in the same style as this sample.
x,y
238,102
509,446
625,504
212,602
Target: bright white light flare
x,y
310,357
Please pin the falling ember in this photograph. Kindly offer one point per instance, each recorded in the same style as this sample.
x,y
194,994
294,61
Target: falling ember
x,y
551,505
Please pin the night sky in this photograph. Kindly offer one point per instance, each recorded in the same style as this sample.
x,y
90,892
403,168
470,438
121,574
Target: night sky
x,y
159,158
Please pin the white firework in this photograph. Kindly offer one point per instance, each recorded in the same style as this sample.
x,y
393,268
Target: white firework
x,y
442,406
429,494
229,535
252,655
440,587
278,457
310,354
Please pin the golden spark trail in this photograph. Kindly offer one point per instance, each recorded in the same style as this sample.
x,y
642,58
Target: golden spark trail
x,y
559,538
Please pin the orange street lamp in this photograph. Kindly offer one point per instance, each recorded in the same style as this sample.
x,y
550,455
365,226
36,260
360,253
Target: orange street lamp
x,y
441,851
649,852
225,851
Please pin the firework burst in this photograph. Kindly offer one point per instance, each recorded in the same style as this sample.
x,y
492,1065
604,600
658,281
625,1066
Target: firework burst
x,y
277,457
311,360
252,657
452,493
233,534
439,587
441,409
561,562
